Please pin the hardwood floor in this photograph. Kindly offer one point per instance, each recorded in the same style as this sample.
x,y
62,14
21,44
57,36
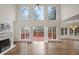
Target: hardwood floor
x,y
65,47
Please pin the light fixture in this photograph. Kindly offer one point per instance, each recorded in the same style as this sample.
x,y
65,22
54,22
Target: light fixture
x,y
73,26
37,5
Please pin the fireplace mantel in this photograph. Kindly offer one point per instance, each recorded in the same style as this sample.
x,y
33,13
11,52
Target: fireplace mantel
x,y
4,35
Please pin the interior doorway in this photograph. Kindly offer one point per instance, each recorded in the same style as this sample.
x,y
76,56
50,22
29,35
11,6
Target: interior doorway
x,y
38,33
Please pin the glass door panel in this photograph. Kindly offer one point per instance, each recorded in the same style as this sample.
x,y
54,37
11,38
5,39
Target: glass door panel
x,y
25,33
22,33
51,33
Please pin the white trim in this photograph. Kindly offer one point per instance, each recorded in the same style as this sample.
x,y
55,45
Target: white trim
x,y
8,50
54,40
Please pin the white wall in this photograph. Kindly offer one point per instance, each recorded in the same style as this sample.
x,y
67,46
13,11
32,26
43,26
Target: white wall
x,y
7,14
69,10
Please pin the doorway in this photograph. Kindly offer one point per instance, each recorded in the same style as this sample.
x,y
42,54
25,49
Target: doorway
x,y
38,33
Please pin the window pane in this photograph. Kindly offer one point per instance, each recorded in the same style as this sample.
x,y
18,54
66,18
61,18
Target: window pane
x,y
22,33
65,31
38,12
24,13
62,31
25,33
51,32
71,31
54,32
77,31
51,13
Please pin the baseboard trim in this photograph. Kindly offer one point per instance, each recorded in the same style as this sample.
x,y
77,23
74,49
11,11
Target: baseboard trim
x,y
7,50
70,39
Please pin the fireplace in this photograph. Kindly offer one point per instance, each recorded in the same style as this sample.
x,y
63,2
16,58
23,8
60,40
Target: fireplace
x,y
4,44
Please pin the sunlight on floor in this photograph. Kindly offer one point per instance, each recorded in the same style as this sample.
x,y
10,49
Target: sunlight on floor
x,y
39,47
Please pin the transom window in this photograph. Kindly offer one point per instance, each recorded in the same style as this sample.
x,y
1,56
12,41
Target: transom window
x,y
24,12
38,12
51,13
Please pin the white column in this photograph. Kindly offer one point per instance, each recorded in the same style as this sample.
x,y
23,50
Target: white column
x,y
11,39
28,31
30,35
25,33
68,32
58,33
52,32
74,34
46,34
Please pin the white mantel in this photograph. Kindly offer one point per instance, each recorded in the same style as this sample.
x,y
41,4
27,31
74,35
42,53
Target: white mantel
x,y
4,35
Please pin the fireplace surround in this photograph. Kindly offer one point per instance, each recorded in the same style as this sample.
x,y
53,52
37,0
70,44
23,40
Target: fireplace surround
x,y
6,38
4,45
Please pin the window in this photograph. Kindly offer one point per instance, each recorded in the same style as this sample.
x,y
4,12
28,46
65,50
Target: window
x,y
71,31
22,33
54,32
38,29
24,12
77,31
63,31
38,12
51,13
50,32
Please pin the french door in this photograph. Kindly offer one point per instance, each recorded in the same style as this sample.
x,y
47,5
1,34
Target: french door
x,y
51,33
25,33
38,33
